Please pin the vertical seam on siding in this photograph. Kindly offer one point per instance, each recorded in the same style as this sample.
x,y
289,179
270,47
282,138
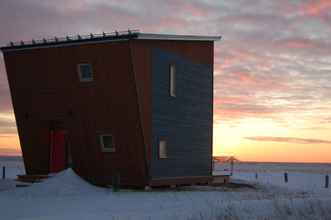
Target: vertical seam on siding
x,y
212,111
139,112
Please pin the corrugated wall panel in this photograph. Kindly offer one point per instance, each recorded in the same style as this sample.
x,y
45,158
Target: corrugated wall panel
x,y
185,121
45,85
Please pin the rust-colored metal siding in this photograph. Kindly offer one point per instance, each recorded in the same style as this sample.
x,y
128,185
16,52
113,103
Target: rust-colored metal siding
x,y
45,87
46,90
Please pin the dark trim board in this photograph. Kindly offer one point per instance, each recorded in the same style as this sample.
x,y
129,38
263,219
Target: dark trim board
x,y
181,180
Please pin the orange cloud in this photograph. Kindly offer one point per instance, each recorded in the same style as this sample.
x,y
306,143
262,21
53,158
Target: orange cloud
x,y
316,7
230,99
239,111
299,43
290,140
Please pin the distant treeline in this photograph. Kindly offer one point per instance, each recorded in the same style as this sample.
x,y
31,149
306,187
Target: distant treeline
x,y
10,158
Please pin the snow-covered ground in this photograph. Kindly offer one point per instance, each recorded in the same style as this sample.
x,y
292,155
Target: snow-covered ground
x,y
67,196
305,177
13,165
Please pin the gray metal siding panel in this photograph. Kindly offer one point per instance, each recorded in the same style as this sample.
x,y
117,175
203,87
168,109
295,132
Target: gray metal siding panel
x,y
185,121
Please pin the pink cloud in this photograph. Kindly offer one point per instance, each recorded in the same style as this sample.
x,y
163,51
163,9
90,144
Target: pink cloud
x,y
316,7
196,9
229,111
250,81
230,99
238,56
173,22
299,43
304,44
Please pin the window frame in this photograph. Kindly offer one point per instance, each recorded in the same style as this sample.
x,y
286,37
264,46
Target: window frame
x,y
172,80
81,79
162,157
101,142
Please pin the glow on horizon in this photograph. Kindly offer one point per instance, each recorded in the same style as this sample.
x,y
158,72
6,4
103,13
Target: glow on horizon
x,y
10,145
272,67
232,140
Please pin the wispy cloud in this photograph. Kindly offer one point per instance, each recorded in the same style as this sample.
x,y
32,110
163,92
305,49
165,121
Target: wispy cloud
x,y
317,7
274,60
292,140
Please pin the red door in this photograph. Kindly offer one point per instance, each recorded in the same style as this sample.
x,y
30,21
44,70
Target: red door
x,y
57,150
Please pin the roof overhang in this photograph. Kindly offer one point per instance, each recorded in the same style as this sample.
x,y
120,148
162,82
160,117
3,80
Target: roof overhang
x,y
102,38
149,36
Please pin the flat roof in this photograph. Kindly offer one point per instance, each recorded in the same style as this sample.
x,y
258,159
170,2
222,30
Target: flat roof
x,y
149,36
104,37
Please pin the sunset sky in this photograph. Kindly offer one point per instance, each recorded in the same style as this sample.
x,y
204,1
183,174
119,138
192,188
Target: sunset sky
x,y
272,67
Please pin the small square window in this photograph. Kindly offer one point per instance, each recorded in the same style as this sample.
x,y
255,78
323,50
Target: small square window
x,y
172,80
85,72
163,151
107,143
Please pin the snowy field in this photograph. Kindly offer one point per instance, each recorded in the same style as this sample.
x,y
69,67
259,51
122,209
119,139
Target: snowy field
x,y
14,166
67,196
304,177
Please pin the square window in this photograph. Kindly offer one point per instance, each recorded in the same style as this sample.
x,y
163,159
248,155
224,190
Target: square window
x,y
163,151
107,143
172,80
85,72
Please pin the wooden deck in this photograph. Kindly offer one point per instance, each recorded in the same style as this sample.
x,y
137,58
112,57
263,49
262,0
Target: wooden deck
x,y
198,180
220,179
180,181
31,178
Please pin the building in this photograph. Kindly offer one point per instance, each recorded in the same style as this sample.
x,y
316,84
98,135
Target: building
x,y
134,105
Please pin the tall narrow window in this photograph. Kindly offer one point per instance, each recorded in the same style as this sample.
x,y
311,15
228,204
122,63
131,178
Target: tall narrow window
x,y
172,80
85,72
163,152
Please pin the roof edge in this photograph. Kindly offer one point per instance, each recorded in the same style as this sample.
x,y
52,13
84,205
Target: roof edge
x,y
151,36
99,38
69,40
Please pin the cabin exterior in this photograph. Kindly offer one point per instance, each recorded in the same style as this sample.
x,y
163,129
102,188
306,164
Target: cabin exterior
x,y
134,105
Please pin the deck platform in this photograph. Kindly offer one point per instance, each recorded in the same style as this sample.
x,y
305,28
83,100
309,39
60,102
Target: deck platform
x,y
196,180
220,179
31,178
